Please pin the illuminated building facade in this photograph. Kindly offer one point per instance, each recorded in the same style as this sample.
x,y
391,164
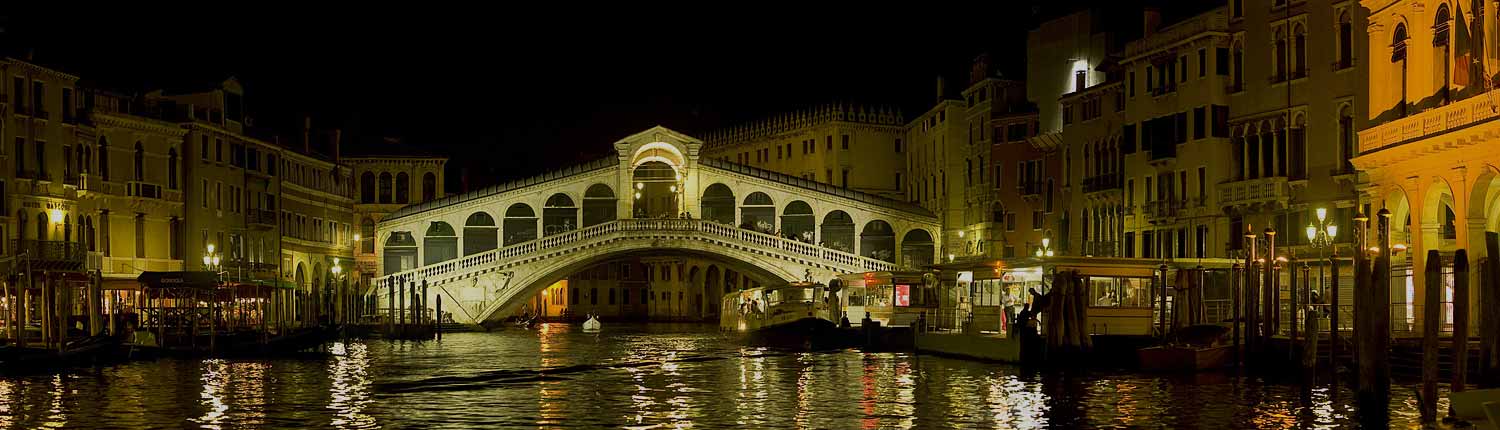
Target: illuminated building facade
x,y
1429,155
389,175
845,145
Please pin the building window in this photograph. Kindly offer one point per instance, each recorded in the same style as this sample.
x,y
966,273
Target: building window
x,y
844,142
204,150
1299,52
1202,62
1346,42
1201,242
845,181
385,188
403,188
898,145
172,168
219,150
140,235
1239,67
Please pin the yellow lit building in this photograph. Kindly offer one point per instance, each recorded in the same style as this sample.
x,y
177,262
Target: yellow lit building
x,y
1429,155
844,145
390,175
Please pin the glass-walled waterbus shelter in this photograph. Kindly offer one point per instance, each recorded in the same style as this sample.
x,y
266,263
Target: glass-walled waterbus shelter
x,y
1122,295
889,298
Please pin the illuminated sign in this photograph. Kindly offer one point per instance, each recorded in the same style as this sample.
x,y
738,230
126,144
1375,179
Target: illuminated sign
x,y
903,295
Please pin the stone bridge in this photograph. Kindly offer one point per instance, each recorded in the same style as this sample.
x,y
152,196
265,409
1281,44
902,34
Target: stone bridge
x,y
490,250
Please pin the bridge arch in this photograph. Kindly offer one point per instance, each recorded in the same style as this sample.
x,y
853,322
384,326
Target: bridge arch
x,y
718,204
559,214
878,241
917,248
838,231
400,252
798,222
758,213
599,205
480,233
520,224
530,279
439,243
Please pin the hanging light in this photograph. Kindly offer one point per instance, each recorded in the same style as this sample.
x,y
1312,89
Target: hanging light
x,y
1322,214
1312,232
1333,231
640,185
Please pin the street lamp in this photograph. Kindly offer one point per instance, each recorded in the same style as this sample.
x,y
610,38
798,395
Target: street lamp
x,y
1046,249
1321,235
211,259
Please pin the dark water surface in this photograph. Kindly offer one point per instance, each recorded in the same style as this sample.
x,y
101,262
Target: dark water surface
x,y
642,377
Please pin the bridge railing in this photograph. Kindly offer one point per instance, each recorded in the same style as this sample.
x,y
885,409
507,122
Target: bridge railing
x,y
573,237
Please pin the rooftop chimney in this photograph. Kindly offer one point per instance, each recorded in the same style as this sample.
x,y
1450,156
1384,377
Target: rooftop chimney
x,y
1151,21
306,135
338,137
941,89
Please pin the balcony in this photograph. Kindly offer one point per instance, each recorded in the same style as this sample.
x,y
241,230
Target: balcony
x,y
245,270
1100,248
1030,188
1433,122
261,218
33,175
1253,194
1163,210
143,190
51,254
1104,182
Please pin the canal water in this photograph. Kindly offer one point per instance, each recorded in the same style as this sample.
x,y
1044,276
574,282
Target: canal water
x,y
643,377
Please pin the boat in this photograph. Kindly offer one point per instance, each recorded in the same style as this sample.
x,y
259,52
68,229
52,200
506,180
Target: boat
x,y
1195,348
798,313
592,325
1480,408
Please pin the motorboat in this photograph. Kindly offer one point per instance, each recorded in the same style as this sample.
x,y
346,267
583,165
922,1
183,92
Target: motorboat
x,y
798,311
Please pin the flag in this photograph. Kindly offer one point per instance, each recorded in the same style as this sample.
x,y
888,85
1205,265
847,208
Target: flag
x,y
1462,58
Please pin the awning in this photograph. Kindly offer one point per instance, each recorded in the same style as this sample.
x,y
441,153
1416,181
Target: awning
x,y
179,279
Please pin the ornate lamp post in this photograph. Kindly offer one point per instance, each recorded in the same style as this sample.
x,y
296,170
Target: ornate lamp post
x,y
1321,235
211,260
1046,249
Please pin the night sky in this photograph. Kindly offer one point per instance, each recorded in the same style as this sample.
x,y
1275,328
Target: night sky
x,y
509,93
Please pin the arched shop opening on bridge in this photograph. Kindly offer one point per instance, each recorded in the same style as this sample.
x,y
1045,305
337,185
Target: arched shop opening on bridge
x,y
657,190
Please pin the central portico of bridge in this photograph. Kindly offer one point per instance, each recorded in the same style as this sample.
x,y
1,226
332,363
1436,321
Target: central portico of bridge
x,y
490,250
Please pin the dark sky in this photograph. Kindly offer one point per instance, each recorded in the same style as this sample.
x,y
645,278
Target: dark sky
x,y
508,93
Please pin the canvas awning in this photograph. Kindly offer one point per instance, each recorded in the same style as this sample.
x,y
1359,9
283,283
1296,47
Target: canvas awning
x,y
205,280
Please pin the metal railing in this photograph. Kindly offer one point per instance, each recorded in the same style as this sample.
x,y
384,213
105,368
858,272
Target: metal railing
x,y
50,250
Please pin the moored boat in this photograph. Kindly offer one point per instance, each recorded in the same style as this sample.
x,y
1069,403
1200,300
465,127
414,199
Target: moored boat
x,y
798,312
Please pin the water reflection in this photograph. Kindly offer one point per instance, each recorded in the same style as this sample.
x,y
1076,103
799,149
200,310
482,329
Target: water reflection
x,y
648,377
349,386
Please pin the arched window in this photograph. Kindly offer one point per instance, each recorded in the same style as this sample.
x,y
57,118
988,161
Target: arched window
x,y
403,188
878,241
367,187
1398,55
758,213
1280,62
559,215
367,235
1346,41
838,231
172,169
480,233
917,249
1441,27
103,158
598,205
520,224
718,204
429,186
140,163
385,188
439,244
1346,139
797,222
1299,51
400,252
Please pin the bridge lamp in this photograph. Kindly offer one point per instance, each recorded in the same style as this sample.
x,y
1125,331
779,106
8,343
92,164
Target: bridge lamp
x,y
57,215
640,185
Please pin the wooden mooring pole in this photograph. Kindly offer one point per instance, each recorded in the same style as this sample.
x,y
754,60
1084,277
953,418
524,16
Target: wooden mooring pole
x,y
439,327
1373,315
1310,347
1431,305
1460,322
1237,285
1489,313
